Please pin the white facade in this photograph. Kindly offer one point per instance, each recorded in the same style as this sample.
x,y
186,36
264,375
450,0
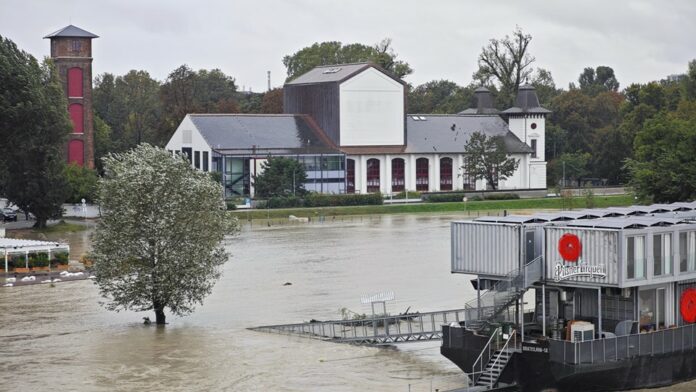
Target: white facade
x,y
531,130
372,110
187,136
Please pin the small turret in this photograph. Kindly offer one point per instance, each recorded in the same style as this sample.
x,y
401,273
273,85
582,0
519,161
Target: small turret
x,y
484,103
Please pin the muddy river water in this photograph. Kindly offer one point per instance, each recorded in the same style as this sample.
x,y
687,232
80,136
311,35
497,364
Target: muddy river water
x,y
60,338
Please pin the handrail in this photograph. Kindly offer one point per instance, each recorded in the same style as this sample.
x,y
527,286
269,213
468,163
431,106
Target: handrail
x,y
513,336
487,347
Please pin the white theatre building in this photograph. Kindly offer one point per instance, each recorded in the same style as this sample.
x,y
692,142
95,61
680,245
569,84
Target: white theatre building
x,y
347,124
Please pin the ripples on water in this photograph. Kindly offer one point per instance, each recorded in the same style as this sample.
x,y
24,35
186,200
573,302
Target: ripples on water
x,y
60,339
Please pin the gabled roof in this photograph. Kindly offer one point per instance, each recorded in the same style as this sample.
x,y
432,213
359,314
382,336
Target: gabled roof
x,y
336,73
71,31
262,134
449,133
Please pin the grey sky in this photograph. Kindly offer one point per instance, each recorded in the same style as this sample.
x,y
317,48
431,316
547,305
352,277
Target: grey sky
x,y
641,40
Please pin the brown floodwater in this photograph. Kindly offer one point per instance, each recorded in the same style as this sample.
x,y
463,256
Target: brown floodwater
x,y
60,339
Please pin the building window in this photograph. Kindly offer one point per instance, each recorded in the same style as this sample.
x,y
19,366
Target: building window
x,y
188,152
236,177
422,174
398,175
75,46
372,175
76,152
197,159
205,161
635,257
350,176
446,174
77,117
534,126
662,254
75,82
687,251
534,148
469,181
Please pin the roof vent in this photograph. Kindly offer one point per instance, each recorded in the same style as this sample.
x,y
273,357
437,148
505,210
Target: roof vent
x,y
415,118
331,70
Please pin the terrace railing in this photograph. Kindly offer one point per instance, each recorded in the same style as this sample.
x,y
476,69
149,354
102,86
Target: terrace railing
x,y
623,347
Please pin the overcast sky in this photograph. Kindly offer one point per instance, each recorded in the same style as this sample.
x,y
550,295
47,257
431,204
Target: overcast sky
x,y
641,40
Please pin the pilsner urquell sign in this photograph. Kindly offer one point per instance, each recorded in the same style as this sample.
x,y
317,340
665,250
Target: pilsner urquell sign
x,y
570,249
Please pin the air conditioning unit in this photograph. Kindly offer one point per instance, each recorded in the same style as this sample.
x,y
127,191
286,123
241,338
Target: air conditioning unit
x,y
581,331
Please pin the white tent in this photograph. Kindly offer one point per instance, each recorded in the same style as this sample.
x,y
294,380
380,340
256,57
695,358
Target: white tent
x,y
14,245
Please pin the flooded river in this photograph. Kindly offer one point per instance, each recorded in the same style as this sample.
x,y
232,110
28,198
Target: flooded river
x,y
60,338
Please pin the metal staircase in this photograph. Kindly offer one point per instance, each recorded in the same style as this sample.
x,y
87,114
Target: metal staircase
x,y
502,295
495,357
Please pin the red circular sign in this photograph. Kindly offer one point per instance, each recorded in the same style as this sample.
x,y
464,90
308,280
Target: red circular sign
x,y
569,247
687,305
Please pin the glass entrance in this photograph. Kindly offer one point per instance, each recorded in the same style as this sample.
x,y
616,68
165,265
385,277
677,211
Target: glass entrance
x,y
652,308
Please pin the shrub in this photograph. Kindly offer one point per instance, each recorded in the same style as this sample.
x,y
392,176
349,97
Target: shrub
x,y
323,200
502,196
231,205
82,183
443,197
402,195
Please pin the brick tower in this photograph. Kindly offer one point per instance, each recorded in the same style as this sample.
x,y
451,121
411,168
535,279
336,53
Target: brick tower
x,y
71,51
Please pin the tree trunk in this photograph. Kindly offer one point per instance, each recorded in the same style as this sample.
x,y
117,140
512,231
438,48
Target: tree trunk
x,y
40,223
160,318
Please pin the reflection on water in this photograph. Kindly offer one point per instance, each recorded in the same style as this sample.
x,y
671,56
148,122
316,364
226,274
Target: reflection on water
x,y
59,338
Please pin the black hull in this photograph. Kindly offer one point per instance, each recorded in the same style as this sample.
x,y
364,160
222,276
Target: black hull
x,y
532,371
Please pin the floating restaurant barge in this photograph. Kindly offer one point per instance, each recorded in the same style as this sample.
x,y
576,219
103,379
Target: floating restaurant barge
x,y
591,300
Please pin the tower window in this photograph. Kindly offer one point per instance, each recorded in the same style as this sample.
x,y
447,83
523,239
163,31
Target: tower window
x,y
534,125
75,45
534,147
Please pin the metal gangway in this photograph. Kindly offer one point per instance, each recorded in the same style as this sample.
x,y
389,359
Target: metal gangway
x,y
377,330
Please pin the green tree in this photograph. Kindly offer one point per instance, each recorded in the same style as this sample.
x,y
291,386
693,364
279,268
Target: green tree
x,y
663,169
596,80
574,166
280,176
82,183
272,102
334,52
487,159
505,64
131,108
158,244
34,126
439,96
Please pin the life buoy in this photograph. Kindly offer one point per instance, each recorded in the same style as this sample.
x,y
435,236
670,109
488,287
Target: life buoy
x,y
687,305
569,247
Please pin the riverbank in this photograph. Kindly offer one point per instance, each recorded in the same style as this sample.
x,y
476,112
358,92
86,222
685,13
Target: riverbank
x,y
472,207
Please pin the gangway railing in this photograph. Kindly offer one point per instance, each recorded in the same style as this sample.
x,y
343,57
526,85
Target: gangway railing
x,y
379,330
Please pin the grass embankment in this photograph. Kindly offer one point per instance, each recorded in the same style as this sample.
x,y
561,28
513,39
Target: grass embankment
x,y
61,227
486,205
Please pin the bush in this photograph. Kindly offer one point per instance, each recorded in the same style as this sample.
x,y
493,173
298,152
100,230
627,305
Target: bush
x,y
443,197
322,200
280,202
502,196
82,183
231,205
402,195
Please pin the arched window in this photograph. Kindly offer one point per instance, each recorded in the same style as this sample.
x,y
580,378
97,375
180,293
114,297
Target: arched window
x,y
372,175
397,175
76,115
350,176
75,82
446,174
422,174
76,152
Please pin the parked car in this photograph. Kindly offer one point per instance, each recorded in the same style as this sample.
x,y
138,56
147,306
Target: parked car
x,y
8,214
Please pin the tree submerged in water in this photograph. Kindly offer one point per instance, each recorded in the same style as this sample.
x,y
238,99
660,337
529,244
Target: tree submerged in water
x,y
159,242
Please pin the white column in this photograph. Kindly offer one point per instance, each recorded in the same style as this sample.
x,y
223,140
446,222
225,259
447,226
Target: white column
x,y
382,174
6,262
411,173
434,181
388,174
363,174
26,259
457,172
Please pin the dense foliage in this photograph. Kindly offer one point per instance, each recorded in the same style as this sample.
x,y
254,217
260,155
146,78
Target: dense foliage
x,y
334,52
82,183
487,159
34,126
159,243
280,176
322,200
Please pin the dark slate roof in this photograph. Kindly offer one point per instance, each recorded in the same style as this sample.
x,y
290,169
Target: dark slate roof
x,y
336,73
275,134
484,103
449,133
71,31
526,102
